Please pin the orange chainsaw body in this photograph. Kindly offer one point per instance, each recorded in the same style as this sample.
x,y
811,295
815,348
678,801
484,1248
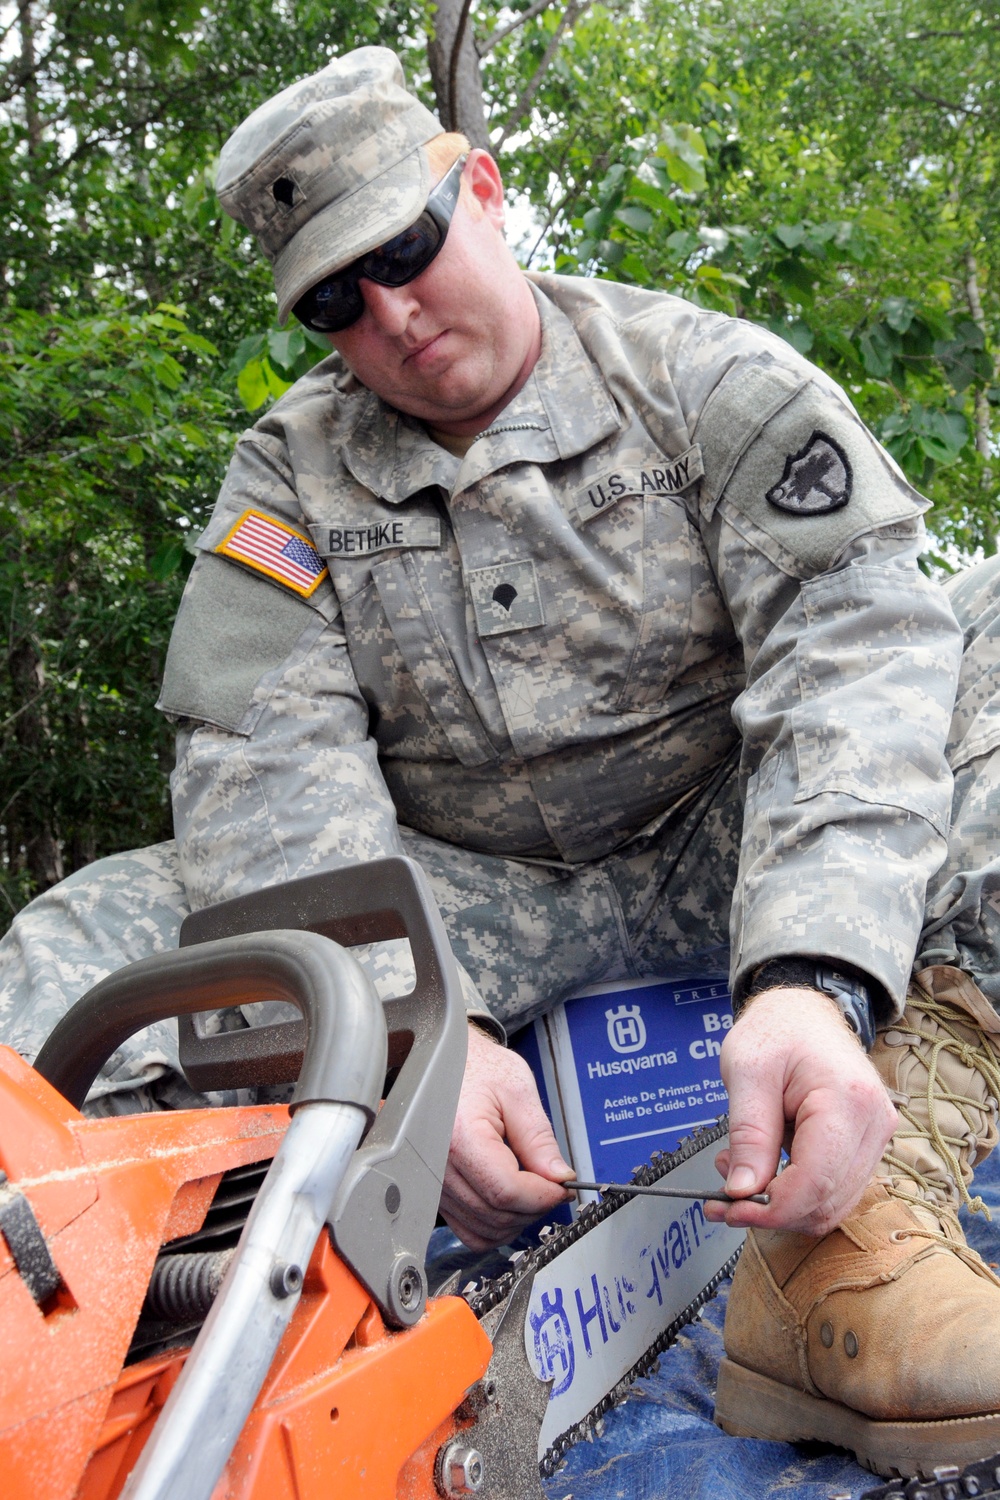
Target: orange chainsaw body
x,y
349,1408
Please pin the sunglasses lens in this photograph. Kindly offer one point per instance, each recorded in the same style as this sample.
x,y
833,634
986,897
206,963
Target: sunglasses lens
x,y
332,305
403,257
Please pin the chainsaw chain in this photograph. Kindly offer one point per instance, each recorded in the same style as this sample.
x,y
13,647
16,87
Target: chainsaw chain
x,y
483,1298
592,1424
949,1483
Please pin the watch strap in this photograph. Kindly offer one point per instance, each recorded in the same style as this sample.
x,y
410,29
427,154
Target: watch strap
x,y
845,987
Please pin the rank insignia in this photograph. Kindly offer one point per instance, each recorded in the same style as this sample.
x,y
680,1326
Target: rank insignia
x,y
505,597
276,550
816,480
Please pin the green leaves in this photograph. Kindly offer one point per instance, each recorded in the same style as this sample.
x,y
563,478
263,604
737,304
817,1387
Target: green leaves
x,y
113,441
683,153
923,435
267,364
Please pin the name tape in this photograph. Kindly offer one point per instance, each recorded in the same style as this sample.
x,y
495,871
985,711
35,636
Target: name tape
x,y
342,540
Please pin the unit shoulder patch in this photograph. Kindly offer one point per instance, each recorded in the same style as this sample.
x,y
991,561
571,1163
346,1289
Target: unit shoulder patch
x,y
816,480
276,550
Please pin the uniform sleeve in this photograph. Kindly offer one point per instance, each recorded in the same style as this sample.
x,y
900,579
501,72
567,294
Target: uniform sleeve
x,y
276,774
852,660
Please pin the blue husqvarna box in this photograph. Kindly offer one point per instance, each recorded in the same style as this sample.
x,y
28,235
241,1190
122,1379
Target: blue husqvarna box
x,y
629,1068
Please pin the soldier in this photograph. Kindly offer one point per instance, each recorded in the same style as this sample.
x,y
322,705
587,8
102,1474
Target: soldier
x,y
607,611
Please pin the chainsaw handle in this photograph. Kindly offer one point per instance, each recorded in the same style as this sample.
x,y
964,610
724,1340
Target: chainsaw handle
x,y
345,1043
385,1208
386,898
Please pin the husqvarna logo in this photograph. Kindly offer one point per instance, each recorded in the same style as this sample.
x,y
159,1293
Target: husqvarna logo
x,y
626,1028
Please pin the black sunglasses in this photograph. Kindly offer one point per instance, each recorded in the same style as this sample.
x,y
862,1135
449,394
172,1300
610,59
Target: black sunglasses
x,y
334,303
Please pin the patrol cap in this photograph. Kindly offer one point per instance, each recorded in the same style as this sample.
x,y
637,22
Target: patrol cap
x,y
329,168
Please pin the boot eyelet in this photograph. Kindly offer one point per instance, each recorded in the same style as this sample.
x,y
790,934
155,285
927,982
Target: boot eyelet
x,y
897,1236
826,1335
851,1344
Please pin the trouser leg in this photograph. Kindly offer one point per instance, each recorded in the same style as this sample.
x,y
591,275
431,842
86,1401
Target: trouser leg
x,y
962,925
107,915
675,885
532,934
528,934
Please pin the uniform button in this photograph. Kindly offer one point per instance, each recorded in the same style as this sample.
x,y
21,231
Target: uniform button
x,y
826,1336
851,1344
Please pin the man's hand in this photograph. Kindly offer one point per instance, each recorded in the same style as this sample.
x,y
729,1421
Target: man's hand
x,y
797,1075
487,1196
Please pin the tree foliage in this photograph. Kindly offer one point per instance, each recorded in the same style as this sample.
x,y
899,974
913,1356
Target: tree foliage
x,y
826,169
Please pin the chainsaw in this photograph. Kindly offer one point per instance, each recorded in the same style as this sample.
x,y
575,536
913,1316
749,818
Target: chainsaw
x,y
233,1302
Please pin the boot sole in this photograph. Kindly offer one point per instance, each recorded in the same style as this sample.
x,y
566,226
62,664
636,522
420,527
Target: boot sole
x,y
754,1406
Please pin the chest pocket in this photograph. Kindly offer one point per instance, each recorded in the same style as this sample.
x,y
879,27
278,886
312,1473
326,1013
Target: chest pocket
x,y
376,554
646,536
417,632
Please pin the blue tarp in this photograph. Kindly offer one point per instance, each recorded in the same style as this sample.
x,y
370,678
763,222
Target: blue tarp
x,y
663,1443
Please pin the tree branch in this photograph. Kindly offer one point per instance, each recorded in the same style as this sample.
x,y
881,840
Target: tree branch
x,y
523,104
984,432
962,36
456,47
497,36
554,214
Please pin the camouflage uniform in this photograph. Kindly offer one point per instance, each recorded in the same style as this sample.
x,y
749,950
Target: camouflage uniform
x,y
962,920
675,575
540,655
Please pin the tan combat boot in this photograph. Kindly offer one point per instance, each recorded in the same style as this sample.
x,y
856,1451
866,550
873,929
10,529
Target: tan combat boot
x,y
884,1336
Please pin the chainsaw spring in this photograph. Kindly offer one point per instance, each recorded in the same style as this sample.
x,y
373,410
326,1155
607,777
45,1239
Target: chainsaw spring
x,y
183,1287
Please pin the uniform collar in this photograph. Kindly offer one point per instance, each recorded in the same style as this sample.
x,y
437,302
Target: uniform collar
x,y
563,409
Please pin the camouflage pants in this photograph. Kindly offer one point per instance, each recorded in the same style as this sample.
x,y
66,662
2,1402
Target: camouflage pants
x,y
529,933
962,912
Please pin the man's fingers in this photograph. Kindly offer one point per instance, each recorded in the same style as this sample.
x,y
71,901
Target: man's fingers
x,y
756,1131
839,1137
490,1199
500,1126
533,1142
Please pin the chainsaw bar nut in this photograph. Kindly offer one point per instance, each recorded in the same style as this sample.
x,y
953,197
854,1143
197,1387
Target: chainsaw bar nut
x,y
459,1470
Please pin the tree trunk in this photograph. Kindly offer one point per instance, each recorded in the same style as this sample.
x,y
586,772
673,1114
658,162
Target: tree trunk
x,y
32,119
983,421
42,856
454,64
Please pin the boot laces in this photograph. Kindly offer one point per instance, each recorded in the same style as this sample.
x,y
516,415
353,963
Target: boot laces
x,y
980,1056
964,1252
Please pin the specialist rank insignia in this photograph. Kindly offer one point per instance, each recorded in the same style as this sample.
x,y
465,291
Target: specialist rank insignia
x,y
816,480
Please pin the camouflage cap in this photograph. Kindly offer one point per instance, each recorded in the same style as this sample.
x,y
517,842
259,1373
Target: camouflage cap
x,y
329,168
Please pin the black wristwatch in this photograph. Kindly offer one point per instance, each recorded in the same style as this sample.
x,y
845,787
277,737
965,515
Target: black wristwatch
x,y
846,988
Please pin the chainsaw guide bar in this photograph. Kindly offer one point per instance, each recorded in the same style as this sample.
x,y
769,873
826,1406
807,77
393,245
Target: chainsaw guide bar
x,y
610,1292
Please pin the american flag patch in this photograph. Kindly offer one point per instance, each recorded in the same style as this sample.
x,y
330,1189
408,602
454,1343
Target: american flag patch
x,y
275,550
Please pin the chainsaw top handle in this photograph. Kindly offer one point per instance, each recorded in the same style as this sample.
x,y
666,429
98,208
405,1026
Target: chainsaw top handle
x,y
386,1206
345,1053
